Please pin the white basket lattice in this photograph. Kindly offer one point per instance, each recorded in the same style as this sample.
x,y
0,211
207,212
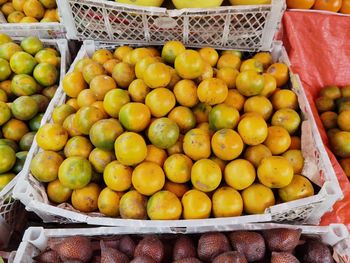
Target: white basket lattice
x,y
35,239
11,209
307,210
238,27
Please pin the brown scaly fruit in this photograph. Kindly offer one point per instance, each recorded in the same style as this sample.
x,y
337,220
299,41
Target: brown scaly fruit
x,y
143,259
314,251
250,244
184,248
188,260
283,257
112,255
231,257
74,248
212,244
127,246
152,247
282,239
48,257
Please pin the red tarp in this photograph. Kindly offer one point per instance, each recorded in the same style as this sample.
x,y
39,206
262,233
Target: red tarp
x,y
318,44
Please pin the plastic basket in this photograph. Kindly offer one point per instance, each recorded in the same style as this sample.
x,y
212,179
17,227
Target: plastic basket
x,y
306,210
36,239
50,30
238,27
10,209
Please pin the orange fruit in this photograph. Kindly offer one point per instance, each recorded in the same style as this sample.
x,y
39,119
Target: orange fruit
x,y
49,92
177,147
171,50
270,85
300,4
328,5
99,159
82,63
139,53
206,127
227,202
278,140
6,9
51,137
130,148
250,83
344,120
138,90
201,112
227,144
240,174
222,116
260,105
218,161
164,205
345,164
99,105
8,158
34,8
3,96
231,51
3,37
24,85
14,129
60,113
288,119
148,178
157,75
300,187
92,70
143,64
189,64
196,144
228,75
110,64
121,51
156,155
175,78
265,58
160,101
123,73
102,55
196,205
178,189
229,61
78,146
45,165
75,172
329,120
296,159
47,56
253,130
6,86
86,98
185,92
5,113
21,63
256,198
212,91
275,172
108,202
46,74
86,198
134,116
117,176
58,193
86,117
177,168
252,64
101,84
280,72
295,143
235,99
205,175
114,100
345,7
163,133
284,99
183,117
132,205
209,55
255,154
127,59
154,51
9,48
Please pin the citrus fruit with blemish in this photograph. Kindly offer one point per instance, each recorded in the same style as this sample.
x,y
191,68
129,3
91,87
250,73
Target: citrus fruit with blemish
x,y
110,64
201,112
46,74
296,159
78,146
86,117
189,64
196,205
23,85
123,73
114,100
86,98
102,55
60,113
91,70
14,129
79,66
250,83
253,130
51,137
130,148
70,126
252,64
5,69
227,144
134,116
133,205
8,49
57,192
222,116
99,159
288,119
280,72
108,202
206,127
163,133
138,90
196,144
86,199
101,84
227,202
183,117
164,205
143,64
74,103
255,154
212,91
256,198
208,72
117,176
205,175
300,187
75,172
171,50
104,133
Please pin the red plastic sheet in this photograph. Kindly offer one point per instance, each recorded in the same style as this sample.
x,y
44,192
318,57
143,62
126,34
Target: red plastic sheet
x,y
318,45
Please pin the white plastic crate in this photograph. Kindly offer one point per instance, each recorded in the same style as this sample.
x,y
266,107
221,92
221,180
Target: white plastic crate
x,y
307,210
50,30
35,239
11,209
239,27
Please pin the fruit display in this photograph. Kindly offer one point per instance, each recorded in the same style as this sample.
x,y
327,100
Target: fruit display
x,y
276,245
29,11
341,6
333,107
28,80
147,133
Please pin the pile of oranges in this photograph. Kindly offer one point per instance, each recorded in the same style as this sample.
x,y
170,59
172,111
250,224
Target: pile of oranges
x,y
176,133
29,11
341,6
